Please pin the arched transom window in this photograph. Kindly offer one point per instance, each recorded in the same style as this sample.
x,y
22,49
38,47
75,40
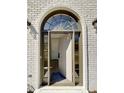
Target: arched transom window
x,y
61,22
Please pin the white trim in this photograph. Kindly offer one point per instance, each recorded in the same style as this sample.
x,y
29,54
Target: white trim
x,y
67,89
84,46
84,39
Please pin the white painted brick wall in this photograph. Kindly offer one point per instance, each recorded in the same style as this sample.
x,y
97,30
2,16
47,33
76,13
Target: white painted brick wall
x,y
86,9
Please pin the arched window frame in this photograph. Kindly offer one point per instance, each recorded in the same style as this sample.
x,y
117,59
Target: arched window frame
x,y
61,22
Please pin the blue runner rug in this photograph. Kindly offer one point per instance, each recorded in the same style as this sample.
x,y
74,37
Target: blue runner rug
x,y
56,76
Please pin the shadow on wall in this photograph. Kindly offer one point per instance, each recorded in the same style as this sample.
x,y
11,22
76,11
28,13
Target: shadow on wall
x,y
32,30
94,23
87,58
30,88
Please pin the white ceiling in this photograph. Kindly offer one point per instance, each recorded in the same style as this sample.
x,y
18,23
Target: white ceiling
x,y
58,35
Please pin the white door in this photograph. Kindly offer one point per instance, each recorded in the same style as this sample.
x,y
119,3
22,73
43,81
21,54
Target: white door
x,y
66,57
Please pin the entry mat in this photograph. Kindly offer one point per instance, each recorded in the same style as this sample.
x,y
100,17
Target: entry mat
x,y
57,76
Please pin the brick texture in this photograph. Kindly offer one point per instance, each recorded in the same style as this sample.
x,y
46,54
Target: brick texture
x,y
37,8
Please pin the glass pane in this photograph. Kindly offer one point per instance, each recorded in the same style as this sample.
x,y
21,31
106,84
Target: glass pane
x,y
74,25
61,22
57,17
55,25
77,79
68,26
50,20
46,27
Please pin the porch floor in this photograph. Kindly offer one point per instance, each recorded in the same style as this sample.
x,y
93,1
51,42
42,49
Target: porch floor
x,y
61,89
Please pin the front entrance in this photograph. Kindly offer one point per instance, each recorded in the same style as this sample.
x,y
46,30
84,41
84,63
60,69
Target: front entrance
x,y
61,53
61,59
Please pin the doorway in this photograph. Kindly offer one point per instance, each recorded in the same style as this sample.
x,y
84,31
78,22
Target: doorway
x,y
61,52
61,59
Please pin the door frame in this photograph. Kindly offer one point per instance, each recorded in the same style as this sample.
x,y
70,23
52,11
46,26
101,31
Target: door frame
x,y
73,52
49,56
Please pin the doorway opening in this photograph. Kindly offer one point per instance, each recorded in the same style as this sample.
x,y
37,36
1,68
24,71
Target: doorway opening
x,y
61,52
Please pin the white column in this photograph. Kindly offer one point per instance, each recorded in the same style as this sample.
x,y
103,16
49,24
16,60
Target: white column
x,y
37,63
84,46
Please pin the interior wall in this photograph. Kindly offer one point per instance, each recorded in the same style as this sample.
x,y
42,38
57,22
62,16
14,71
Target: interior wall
x,y
69,61
54,48
65,60
62,59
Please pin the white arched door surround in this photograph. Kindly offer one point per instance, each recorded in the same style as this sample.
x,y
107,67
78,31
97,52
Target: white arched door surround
x,y
84,44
